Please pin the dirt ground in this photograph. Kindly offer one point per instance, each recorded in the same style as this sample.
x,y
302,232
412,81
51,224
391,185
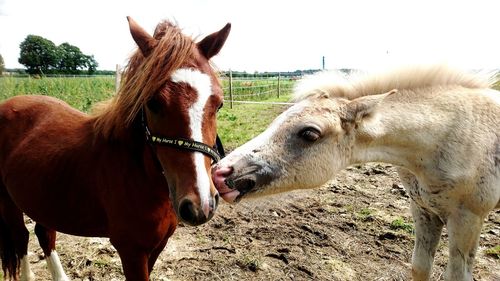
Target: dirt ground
x,y
358,227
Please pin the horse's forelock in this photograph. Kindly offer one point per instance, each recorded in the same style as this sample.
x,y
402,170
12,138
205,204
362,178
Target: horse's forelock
x,y
144,76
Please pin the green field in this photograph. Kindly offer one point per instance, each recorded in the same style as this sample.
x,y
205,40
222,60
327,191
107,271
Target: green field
x,y
79,92
235,126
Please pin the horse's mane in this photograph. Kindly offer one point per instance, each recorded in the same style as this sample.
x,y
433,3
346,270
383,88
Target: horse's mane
x,y
142,78
357,84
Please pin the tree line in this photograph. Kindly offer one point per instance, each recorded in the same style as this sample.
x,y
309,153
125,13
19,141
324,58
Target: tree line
x,y
41,56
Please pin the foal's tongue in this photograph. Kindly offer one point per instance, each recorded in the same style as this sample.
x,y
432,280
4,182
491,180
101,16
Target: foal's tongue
x,y
230,196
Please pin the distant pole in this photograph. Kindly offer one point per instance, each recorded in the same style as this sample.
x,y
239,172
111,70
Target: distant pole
x,y
118,78
323,62
230,89
279,88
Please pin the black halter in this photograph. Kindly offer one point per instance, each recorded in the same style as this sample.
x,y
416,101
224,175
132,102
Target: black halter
x,y
216,153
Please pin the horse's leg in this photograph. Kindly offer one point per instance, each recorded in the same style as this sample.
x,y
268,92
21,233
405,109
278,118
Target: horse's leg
x,y
428,229
134,263
14,238
134,260
47,240
156,252
464,228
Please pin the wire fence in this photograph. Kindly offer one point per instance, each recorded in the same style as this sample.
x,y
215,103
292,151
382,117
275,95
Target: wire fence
x,y
250,88
256,89
247,89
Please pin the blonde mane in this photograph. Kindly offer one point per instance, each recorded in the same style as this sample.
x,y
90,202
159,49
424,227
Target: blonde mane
x,y
142,78
338,84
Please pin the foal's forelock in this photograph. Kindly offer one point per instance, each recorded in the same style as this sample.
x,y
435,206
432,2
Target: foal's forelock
x,y
350,86
201,83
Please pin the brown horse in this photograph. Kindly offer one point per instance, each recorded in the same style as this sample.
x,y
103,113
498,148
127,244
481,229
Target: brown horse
x,y
127,172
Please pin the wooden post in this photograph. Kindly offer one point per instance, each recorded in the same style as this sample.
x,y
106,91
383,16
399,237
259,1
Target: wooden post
x,y
230,89
279,80
118,77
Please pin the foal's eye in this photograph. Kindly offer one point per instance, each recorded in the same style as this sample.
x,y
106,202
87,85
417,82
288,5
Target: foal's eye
x,y
310,134
154,105
220,106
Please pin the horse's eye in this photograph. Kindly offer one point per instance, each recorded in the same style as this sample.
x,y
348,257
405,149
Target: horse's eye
x,y
154,105
310,134
220,106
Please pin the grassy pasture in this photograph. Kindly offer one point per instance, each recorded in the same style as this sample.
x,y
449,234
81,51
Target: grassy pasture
x,y
235,126
79,92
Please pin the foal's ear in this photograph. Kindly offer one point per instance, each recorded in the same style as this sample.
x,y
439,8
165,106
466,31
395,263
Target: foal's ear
x,y
145,41
363,107
211,45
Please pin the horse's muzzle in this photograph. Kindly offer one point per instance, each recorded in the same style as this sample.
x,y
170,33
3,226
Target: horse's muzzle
x,y
193,214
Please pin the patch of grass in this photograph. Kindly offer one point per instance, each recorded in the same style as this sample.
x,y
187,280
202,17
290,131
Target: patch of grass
x,y
100,263
201,238
493,252
400,224
365,214
245,121
250,261
227,239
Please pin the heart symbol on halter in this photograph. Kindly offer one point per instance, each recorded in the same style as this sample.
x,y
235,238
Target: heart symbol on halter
x,y
180,142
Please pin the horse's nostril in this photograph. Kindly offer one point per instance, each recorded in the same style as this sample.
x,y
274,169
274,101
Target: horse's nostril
x,y
187,211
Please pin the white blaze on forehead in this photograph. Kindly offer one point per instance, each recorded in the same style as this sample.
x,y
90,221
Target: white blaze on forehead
x,y
203,86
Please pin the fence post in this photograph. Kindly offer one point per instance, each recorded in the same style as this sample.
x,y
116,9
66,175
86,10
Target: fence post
x,y
230,89
279,80
118,77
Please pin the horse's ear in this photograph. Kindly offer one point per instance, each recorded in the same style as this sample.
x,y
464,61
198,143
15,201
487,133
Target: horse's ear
x,y
361,108
212,44
145,41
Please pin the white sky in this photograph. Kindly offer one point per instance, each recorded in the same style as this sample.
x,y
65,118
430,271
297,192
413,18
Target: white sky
x,y
272,35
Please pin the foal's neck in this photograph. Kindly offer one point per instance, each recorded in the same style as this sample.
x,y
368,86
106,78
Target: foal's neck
x,y
400,133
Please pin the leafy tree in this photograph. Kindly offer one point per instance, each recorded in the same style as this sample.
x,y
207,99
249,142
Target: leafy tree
x,y
41,56
91,64
38,54
71,59
2,65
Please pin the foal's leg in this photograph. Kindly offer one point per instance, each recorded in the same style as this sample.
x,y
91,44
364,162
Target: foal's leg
x,y
47,240
464,228
428,229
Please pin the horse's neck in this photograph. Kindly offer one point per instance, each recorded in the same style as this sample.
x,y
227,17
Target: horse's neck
x,y
400,132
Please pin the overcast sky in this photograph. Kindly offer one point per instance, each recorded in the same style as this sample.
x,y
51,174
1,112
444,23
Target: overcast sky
x,y
272,35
